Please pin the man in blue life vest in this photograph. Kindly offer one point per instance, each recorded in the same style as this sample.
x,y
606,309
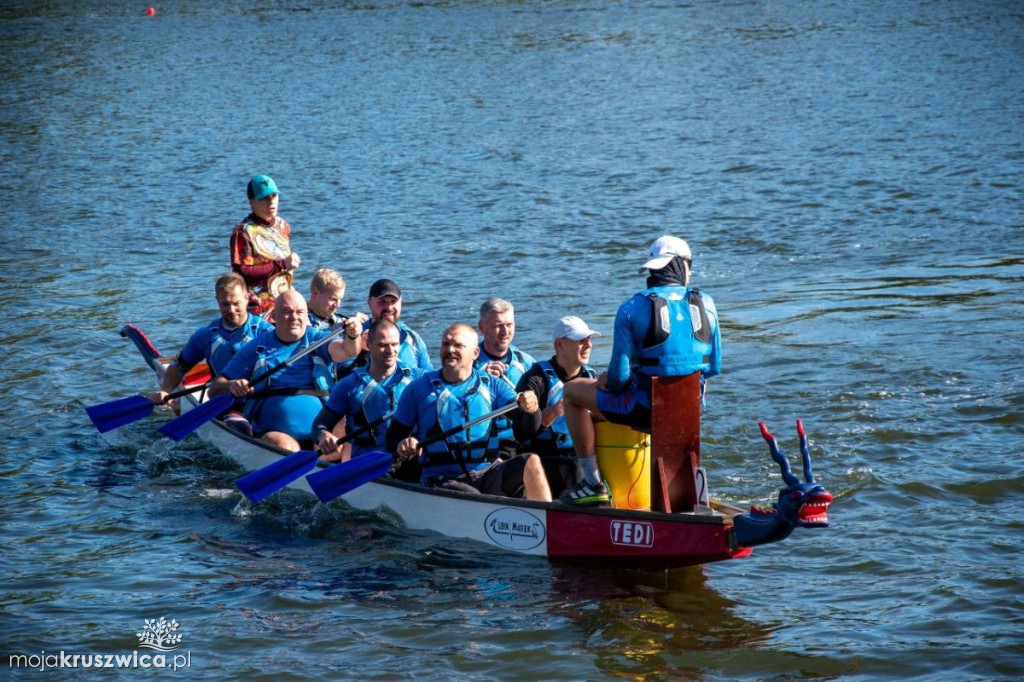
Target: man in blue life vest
x,y
445,399
326,290
282,407
668,329
385,302
500,358
218,341
367,395
545,432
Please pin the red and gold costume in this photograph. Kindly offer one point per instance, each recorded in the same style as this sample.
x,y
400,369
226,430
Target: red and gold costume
x,y
259,251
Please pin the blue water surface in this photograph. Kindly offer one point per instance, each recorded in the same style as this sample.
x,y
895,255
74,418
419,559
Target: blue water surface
x,y
848,175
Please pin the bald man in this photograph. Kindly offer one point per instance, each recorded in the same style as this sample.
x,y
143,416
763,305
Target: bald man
x,y
282,408
457,394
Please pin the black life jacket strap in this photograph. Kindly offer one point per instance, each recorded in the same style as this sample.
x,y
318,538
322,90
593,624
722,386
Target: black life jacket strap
x,y
660,326
704,333
259,395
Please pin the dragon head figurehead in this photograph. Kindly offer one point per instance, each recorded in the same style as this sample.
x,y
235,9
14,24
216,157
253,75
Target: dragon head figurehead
x,y
802,504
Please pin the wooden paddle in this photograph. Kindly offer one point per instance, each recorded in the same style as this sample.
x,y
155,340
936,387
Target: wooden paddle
x,y
339,479
178,428
261,483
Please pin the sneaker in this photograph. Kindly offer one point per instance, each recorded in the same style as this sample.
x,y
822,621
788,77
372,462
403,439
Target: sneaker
x,y
586,494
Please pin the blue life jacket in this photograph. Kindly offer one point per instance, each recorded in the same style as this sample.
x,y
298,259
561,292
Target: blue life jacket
x,y
559,430
376,401
678,340
220,352
321,323
468,449
518,364
323,374
265,389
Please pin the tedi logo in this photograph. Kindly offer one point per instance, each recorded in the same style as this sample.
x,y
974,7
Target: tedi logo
x,y
514,528
632,533
160,635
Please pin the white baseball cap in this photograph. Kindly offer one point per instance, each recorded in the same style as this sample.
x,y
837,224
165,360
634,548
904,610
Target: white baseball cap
x,y
572,327
663,250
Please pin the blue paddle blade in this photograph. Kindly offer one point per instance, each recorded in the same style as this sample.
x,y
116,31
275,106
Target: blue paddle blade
x,y
108,416
178,428
262,483
335,481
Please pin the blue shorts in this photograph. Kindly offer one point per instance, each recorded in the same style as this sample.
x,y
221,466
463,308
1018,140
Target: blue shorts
x,y
291,414
631,407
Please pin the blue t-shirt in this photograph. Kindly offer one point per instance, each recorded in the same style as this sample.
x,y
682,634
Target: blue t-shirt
x,y
412,352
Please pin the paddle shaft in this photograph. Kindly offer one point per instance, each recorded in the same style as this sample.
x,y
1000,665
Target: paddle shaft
x,y
470,424
260,484
298,356
186,391
363,429
339,479
279,366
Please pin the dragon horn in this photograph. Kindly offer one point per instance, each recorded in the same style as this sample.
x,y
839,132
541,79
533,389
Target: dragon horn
x,y
804,452
787,474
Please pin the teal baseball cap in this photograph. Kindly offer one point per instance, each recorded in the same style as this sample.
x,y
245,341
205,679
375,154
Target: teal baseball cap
x,y
261,187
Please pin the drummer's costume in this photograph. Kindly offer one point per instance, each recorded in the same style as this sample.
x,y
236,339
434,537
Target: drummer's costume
x,y
259,251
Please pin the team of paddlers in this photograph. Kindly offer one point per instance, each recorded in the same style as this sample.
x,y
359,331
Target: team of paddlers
x,y
373,386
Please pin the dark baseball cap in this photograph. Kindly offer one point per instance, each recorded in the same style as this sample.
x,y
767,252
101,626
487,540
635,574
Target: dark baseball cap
x,y
385,287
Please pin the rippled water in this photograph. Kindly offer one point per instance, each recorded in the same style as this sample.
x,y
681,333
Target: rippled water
x,y
848,175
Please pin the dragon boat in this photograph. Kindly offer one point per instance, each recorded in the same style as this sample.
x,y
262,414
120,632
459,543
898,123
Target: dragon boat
x,y
683,529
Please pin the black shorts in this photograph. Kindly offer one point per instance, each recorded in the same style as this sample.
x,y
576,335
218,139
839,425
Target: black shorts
x,y
503,478
562,472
